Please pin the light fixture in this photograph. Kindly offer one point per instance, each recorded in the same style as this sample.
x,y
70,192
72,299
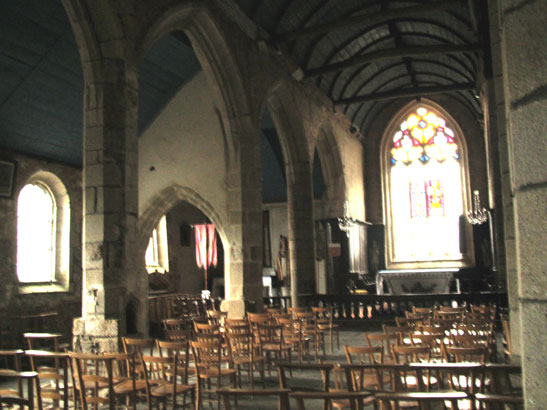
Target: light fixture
x,y
477,215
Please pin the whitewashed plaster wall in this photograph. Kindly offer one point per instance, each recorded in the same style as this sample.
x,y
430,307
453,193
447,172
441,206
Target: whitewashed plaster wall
x,y
185,146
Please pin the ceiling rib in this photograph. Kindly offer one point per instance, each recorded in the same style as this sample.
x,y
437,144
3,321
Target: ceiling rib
x,y
364,19
411,92
393,53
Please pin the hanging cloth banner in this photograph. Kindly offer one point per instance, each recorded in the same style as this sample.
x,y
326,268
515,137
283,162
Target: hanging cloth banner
x,y
211,246
201,245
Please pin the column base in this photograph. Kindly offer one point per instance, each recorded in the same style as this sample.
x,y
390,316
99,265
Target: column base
x,y
235,308
95,335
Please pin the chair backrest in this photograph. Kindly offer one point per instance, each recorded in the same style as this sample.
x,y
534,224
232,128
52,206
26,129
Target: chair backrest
x,y
93,378
207,354
53,375
465,354
241,344
175,329
33,393
12,360
138,345
216,317
255,319
385,340
206,328
179,349
411,354
270,336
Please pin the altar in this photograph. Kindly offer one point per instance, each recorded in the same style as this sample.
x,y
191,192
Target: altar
x,y
416,281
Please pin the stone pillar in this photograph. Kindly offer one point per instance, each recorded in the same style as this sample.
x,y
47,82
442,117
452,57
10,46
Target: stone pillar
x,y
525,74
301,230
244,284
110,205
503,197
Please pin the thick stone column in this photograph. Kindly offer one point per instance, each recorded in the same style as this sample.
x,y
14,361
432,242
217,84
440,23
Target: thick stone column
x,y
301,230
525,73
110,205
503,197
244,284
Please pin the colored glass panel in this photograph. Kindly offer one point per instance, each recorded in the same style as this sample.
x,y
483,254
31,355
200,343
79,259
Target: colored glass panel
x,y
423,136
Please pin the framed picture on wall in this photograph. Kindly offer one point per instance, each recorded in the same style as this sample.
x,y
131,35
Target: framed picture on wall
x,y
7,178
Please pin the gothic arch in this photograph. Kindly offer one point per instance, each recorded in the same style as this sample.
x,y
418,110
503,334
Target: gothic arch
x,y
92,45
215,57
164,201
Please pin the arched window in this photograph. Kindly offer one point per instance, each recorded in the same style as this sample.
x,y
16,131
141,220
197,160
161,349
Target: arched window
x,y
36,234
425,193
43,224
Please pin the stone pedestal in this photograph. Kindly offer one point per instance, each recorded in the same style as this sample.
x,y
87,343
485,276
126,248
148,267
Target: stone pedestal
x,y
95,334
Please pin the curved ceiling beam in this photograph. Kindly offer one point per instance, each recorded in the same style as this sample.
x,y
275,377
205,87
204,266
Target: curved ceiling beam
x,y
394,53
435,23
386,69
411,92
363,19
360,70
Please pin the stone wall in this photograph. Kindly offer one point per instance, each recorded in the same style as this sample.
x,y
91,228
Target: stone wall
x,y
15,307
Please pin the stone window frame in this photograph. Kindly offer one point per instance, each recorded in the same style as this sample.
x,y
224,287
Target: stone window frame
x,y
385,160
61,282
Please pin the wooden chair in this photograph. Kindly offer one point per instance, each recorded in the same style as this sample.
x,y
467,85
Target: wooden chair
x,y
306,383
19,398
12,359
458,354
216,317
53,377
434,341
162,381
93,380
282,394
272,343
425,400
245,355
124,378
367,379
385,340
311,329
355,399
210,365
508,348
180,349
324,317
43,341
499,401
255,319
294,336
411,379
137,346
175,329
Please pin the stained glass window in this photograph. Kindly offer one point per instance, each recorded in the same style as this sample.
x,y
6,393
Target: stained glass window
x,y
421,137
426,186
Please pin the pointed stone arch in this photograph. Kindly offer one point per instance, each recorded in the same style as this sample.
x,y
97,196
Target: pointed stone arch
x,y
216,59
164,201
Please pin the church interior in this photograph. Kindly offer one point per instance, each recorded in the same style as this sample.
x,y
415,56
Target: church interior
x,y
372,157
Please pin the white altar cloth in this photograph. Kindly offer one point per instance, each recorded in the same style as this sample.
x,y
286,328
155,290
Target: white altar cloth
x,y
415,281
